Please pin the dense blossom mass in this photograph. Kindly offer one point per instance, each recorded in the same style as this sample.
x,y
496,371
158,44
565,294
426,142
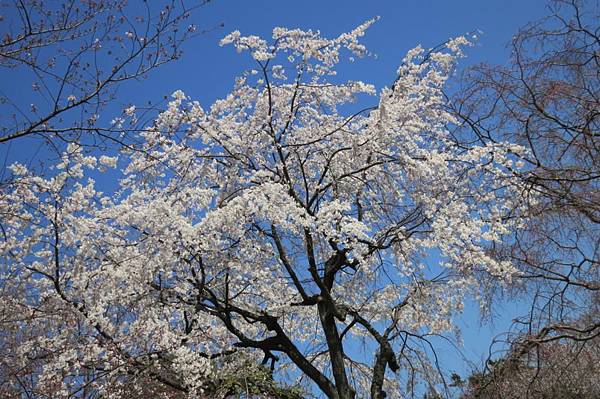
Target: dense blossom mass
x,y
284,223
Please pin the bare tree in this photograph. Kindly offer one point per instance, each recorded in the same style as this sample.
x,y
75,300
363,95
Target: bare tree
x,y
562,369
548,99
74,55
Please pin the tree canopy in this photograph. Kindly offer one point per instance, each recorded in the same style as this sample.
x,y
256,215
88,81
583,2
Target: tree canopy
x,y
278,220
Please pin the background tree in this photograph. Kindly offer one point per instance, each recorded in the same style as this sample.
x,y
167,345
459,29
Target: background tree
x,y
561,369
548,100
284,225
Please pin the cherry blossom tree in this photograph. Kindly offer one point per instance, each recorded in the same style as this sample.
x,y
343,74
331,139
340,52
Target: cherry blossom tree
x,y
282,228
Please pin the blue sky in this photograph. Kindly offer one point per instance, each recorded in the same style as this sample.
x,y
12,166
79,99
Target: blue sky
x,y
206,71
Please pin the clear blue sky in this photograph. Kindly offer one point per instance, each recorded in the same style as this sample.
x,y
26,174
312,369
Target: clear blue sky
x,y
206,71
